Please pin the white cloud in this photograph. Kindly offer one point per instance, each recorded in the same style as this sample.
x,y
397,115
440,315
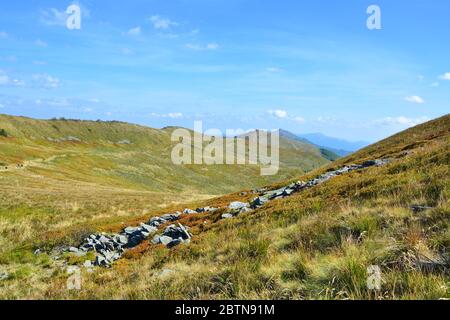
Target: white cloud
x,y
435,84
161,22
46,81
3,35
87,109
278,113
197,47
299,119
54,17
403,121
273,69
284,115
6,80
134,31
415,99
173,115
41,43
445,76
212,46
17,82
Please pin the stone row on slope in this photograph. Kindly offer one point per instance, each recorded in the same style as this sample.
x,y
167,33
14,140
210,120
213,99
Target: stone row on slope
x,y
110,248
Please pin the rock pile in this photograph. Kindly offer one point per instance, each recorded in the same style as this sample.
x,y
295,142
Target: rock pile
x,y
110,248
173,236
236,208
64,139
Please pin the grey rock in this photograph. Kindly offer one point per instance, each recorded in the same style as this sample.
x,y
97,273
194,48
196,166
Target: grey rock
x,y
174,243
185,230
4,276
206,209
100,261
170,217
227,216
121,239
156,239
189,211
175,232
238,205
71,138
245,210
104,239
165,240
148,229
88,264
110,255
130,230
417,208
288,192
259,201
135,240
369,163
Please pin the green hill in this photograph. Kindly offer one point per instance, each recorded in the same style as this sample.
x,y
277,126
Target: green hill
x,y
122,155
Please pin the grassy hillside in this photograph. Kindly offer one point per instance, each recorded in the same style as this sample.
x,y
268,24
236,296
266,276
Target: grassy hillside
x,y
123,155
316,244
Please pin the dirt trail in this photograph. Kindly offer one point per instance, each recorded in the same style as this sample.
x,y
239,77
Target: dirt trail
x,y
29,163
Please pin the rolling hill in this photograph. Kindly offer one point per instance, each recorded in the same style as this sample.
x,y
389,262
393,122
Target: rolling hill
x,y
127,156
315,244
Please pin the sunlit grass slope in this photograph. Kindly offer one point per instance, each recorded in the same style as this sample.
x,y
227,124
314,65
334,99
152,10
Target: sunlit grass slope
x,y
316,244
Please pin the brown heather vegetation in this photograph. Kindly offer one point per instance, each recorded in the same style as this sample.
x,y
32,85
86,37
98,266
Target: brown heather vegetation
x,y
316,244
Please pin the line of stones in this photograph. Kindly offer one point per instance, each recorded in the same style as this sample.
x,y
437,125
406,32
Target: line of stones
x,y
110,248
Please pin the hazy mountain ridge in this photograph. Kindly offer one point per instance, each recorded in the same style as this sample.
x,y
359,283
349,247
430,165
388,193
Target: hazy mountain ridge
x,y
339,146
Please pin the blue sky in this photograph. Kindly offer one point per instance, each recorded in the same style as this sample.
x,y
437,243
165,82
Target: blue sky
x,y
305,66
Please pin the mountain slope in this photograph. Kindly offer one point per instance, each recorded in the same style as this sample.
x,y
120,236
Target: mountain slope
x,y
315,244
327,153
127,156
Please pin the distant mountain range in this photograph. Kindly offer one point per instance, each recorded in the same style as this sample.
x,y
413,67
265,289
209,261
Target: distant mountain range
x,y
339,146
